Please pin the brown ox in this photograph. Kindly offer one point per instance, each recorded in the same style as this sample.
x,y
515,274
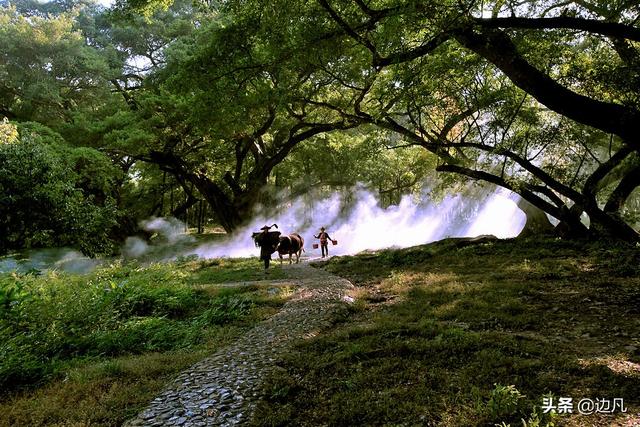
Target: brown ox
x,y
291,244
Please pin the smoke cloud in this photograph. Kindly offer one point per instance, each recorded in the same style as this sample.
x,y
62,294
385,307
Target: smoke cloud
x,y
169,229
169,240
64,259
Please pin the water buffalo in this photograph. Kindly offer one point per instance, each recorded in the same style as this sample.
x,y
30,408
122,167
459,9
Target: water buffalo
x,y
272,241
291,244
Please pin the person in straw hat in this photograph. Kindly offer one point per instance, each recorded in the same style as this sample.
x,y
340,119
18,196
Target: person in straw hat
x,y
267,241
324,241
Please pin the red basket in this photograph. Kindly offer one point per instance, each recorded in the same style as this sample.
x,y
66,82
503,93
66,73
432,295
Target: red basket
x,y
315,246
334,242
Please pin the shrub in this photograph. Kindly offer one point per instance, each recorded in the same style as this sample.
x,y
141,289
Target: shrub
x,y
123,309
66,198
503,401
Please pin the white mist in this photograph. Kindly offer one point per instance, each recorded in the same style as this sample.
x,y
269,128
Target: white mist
x,y
361,223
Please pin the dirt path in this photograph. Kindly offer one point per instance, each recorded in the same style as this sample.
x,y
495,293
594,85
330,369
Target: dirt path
x,y
223,389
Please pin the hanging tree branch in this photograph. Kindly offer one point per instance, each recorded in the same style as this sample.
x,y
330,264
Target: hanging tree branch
x,y
594,26
497,47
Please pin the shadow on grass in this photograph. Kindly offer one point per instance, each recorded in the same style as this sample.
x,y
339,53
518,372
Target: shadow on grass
x,y
450,328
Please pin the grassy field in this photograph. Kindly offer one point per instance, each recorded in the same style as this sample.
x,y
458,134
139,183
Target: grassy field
x,y
471,336
94,349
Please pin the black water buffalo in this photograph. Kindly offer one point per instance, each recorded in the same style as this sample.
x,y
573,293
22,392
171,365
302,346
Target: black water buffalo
x,y
272,241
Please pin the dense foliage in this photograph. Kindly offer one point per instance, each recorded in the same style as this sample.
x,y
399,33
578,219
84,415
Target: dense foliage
x,y
54,195
207,110
48,321
218,104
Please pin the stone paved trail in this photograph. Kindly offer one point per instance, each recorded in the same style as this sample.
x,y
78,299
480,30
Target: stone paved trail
x,y
223,389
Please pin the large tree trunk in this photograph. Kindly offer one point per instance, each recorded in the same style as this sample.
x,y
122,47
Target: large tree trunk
x,y
537,221
222,204
571,227
226,212
610,224
232,211
622,192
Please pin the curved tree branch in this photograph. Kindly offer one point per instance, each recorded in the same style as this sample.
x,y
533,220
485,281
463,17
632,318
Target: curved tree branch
x,y
591,185
497,47
617,199
527,194
527,165
349,30
594,26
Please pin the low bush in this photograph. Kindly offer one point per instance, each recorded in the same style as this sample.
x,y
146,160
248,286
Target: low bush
x,y
47,320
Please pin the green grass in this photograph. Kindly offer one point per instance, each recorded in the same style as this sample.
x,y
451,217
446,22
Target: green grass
x,y
94,349
237,270
470,336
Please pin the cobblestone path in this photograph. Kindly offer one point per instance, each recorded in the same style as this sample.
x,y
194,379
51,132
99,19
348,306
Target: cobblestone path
x,y
223,389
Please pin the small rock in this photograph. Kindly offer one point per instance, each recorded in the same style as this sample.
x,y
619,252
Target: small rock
x,y
147,415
